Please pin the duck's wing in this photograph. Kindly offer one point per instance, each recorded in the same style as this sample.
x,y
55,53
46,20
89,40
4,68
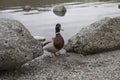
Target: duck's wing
x,y
46,42
50,48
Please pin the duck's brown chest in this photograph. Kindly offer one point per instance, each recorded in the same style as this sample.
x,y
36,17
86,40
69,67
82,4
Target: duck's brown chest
x,y
58,42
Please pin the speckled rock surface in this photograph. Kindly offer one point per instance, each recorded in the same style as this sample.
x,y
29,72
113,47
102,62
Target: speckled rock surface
x,y
103,35
59,8
70,66
17,46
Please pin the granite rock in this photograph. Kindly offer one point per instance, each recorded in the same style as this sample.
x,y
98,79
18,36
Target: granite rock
x,y
17,45
98,37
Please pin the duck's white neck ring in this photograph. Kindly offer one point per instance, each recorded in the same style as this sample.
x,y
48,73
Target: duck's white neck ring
x,y
58,33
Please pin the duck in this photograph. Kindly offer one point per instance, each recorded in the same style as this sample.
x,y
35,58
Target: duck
x,y
56,44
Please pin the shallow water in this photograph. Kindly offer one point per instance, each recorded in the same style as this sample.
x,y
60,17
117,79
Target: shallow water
x,y
4,4
42,21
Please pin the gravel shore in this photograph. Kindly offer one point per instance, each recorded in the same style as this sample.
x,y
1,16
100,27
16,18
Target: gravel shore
x,y
69,66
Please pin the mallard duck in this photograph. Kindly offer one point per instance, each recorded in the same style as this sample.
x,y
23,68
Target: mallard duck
x,y
57,42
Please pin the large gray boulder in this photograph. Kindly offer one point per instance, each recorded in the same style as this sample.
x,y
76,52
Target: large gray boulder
x,y
100,36
17,46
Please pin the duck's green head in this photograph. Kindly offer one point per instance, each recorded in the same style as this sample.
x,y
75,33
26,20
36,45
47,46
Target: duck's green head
x,y
58,28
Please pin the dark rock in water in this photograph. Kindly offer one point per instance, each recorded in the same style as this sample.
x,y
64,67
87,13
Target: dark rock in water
x,y
98,37
119,6
17,46
60,13
60,10
27,8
